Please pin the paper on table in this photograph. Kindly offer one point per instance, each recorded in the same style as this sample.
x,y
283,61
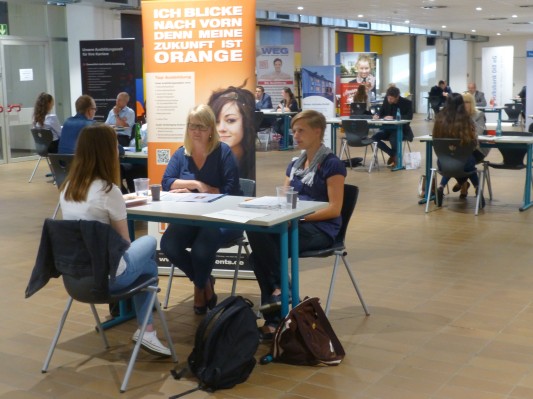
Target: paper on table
x,y
266,202
191,197
235,216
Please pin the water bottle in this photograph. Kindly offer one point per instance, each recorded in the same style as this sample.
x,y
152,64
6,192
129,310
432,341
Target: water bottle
x,y
398,115
138,138
499,128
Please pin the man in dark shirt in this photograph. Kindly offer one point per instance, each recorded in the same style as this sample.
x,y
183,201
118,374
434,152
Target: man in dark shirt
x,y
392,103
262,100
439,92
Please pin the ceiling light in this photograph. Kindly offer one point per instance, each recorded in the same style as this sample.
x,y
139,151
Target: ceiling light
x,y
443,26
300,8
514,16
407,21
473,31
360,16
479,8
498,34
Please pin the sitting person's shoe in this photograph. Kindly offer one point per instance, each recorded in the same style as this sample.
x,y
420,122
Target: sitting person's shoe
x,y
200,310
391,161
456,188
464,190
440,195
151,344
265,333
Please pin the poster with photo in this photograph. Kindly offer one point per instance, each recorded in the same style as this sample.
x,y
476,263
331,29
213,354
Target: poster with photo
x,y
356,69
275,69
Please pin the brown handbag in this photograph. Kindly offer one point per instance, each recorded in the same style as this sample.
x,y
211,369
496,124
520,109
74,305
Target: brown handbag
x,y
305,337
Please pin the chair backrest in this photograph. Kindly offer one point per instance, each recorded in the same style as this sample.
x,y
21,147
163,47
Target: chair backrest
x,y
355,130
452,156
513,110
42,138
247,187
60,166
348,205
513,158
357,108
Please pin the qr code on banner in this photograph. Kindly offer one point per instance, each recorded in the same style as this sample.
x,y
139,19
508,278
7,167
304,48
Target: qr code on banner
x,y
162,156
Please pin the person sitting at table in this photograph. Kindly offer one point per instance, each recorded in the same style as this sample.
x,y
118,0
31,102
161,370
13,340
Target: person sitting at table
x,y
45,119
317,175
454,122
392,103
361,96
287,104
479,96
479,153
205,165
85,111
122,117
440,91
90,192
262,99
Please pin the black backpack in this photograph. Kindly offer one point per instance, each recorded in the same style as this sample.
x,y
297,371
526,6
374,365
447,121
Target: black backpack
x,y
224,346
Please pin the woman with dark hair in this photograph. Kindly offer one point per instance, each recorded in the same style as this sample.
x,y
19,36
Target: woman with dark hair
x,y
43,118
454,122
361,96
90,192
287,104
234,109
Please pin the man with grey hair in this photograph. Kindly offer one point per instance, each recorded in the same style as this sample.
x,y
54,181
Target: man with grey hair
x,y
479,96
122,118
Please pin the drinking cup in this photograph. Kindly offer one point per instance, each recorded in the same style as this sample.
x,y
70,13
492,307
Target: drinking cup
x,y
283,196
156,191
142,186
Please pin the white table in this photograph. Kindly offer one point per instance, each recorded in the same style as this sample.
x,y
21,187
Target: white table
x,y
491,141
385,123
489,110
281,222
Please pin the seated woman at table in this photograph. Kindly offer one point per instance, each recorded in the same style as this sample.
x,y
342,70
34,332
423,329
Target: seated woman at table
x,y
479,153
45,119
454,122
317,175
90,192
288,103
205,165
361,96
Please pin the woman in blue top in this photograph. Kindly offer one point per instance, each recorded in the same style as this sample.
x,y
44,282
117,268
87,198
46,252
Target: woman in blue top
x,y
317,175
203,165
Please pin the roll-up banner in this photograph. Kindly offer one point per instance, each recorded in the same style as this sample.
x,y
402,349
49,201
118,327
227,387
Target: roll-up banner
x,y
193,49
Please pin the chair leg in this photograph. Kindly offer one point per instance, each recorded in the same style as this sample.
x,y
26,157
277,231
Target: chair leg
x,y
99,327
56,336
479,191
56,210
332,283
354,282
430,185
486,170
169,285
35,169
375,160
237,266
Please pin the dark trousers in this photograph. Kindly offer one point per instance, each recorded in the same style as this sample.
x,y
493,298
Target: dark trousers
x,y
123,140
204,242
266,260
390,135
52,148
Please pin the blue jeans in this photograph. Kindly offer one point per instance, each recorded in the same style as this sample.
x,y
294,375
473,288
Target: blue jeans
x,y
470,166
204,242
140,260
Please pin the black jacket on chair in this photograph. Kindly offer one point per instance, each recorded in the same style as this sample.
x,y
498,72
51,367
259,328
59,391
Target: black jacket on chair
x,y
406,111
78,248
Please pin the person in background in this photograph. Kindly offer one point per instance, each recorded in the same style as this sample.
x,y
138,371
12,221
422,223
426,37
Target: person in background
x,y
262,99
522,96
288,103
392,103
317,175
361,96
205,165
440,91
479,96
45,119
122,118
90,192
234,109
455,122
85,111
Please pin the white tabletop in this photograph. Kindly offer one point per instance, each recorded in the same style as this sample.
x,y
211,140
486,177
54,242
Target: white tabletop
x,y
491,139
489,108
131,154
274,112
370,121
196,210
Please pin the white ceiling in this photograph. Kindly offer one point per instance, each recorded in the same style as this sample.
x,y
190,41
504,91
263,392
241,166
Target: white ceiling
x,y
459,16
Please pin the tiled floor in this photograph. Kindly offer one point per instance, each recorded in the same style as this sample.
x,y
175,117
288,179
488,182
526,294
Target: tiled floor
x,y
450,296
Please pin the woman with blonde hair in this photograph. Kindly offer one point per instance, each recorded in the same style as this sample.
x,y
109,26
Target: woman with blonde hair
x,y
90,192
204,165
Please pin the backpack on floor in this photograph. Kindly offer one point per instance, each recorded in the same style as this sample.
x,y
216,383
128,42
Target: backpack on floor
x,y
305,337
224,346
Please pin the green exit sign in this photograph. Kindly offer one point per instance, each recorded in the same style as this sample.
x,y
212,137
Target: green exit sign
x,y
3,30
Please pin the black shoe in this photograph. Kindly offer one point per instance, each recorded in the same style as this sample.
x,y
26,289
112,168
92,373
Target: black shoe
x,y
211,303
265,336
456,188
439,196
200,310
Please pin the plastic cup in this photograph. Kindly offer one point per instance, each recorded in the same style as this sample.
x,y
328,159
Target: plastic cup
x,y
491,132
142,186
292,199
156,191
283,197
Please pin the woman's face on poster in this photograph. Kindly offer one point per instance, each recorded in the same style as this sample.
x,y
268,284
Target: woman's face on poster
x,y
229,125
363,69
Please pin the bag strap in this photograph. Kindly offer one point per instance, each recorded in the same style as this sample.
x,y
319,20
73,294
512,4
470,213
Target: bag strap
x,y
198,388
323,320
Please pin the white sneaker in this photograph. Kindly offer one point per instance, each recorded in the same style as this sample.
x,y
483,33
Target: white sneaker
x,y
151,344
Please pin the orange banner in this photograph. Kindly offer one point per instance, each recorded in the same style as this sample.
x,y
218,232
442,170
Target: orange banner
x,y
191,48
